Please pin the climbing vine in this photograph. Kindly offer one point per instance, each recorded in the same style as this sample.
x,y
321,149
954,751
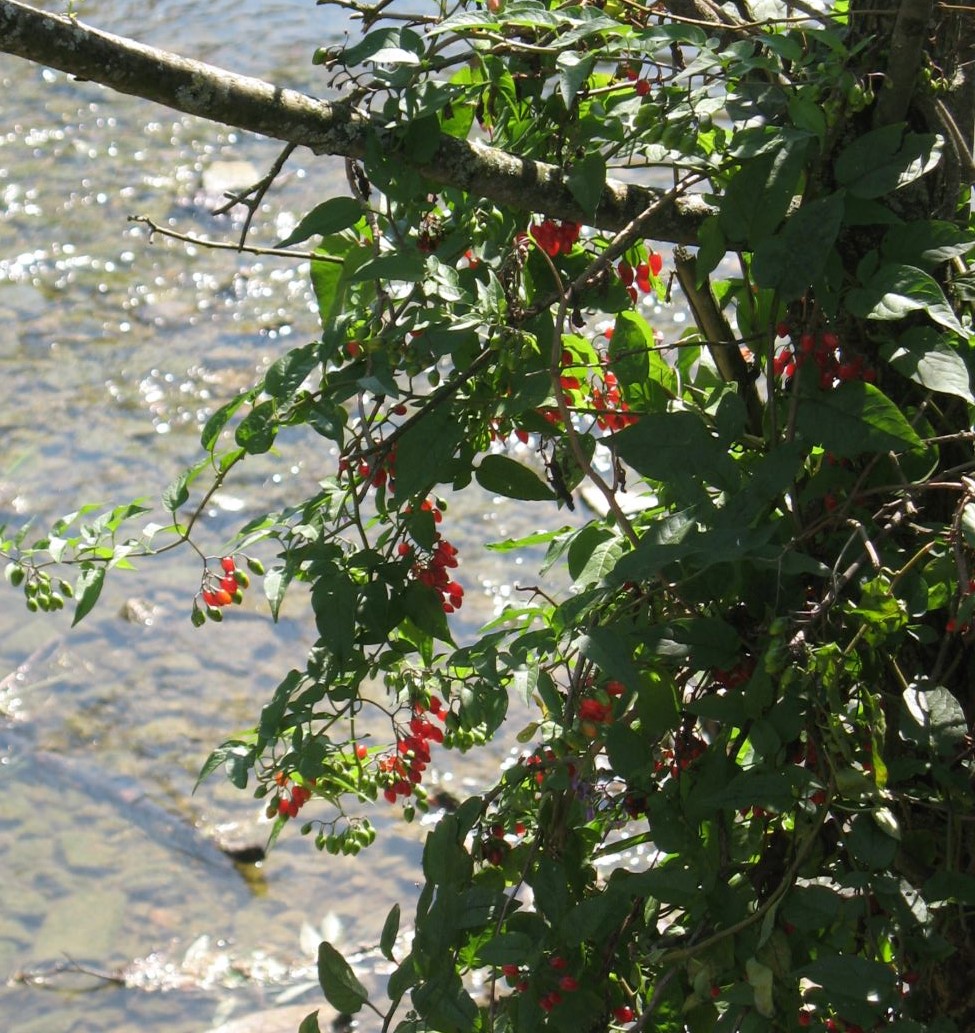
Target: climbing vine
x,y
760,671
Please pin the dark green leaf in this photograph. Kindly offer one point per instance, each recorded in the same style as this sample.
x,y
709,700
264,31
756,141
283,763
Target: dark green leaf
x,y
895,290
508,478
408,266
586,180
855,418
331,216
926,241
851,977
424,452
216,423
795,258
309,1024
287,374
342,989
387,939
506,949
674,445
256,431
574,69
177,493
930,358
886,159
87,589
759,195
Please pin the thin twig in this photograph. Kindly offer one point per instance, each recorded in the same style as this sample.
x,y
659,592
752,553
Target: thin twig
x,y
222,245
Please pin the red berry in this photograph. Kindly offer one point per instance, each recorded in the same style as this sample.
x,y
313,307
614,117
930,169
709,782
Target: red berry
x,y
568,984
228,564
805,1018
656,263
624,1013
223,597
558,962
229,584
642,87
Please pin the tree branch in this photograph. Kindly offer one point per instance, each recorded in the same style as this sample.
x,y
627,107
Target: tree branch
x,y
251,104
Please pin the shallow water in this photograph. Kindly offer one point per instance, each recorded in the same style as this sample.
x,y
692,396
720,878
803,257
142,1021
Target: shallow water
x,y
113,351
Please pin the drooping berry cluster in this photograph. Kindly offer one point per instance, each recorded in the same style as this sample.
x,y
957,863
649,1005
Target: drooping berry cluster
x,y
611,407
601,392
643,275
824,351
430,567
402,769
221,588
553,237
291,796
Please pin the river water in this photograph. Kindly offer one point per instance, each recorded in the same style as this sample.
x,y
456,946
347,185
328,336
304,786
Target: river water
x,y
113,351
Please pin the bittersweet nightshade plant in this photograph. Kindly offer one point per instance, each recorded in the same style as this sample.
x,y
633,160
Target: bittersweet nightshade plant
x,y
762,673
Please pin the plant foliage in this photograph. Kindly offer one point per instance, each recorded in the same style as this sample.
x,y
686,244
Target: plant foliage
x,y
759,673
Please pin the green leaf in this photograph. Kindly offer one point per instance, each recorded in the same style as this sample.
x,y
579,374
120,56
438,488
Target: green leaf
x,y
795,258
510,479
885,160
671,446
611,650
87,589
276,582
926,242
309,1024
931,359
759,195
424,452
328,283
342,989
855,418
285,375
586,180
216,423
387,939
574,69
256,431
177,492
406,266
896,290
851,977
506,949
949,888
939,715
331,216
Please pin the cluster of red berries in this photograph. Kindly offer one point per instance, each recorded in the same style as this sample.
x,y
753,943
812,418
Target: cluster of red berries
x,y
604,391
221,590
516,976
290,798
686,750
822,349
432,570
643,275
382,472
612,408
555,238
404,768
640,86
